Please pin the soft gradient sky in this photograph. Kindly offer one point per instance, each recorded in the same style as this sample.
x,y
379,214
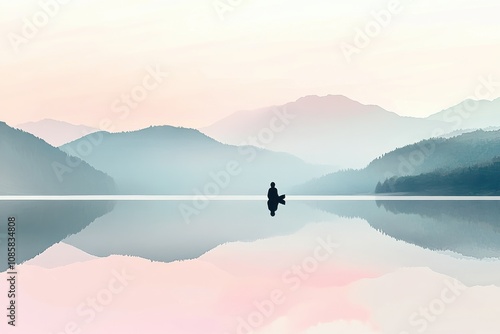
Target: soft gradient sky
x,y
264,52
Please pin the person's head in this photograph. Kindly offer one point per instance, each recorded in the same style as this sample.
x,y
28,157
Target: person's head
x,y
273,184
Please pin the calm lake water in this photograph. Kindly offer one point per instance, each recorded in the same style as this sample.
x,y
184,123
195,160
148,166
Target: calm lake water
x,y
385,262
160,231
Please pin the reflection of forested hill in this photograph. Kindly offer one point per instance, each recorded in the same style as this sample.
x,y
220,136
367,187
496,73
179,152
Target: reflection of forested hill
x,y
470,228
465,211
39,225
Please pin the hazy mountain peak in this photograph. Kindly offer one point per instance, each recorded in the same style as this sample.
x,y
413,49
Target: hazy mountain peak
x,y
328,103
471,114
333,130
167,128
56,132
327,98
168,132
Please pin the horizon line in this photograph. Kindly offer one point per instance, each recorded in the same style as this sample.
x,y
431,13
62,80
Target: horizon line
x,y
166,198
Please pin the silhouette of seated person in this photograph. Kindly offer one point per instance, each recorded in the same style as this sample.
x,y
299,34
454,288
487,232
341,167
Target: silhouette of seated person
x,y
274,199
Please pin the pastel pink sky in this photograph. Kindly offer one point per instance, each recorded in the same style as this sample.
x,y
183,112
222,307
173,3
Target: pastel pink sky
x,y
265,52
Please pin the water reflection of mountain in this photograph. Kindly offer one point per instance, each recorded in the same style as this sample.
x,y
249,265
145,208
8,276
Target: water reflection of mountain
x,y
471,228
157,230
40,224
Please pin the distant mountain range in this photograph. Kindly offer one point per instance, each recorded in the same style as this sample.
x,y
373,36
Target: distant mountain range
x,y
30,166
314,136
471,114
56,133
170,160
438,155
332,130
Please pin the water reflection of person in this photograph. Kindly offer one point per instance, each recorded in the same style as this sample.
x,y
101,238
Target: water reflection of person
x,y
274,199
